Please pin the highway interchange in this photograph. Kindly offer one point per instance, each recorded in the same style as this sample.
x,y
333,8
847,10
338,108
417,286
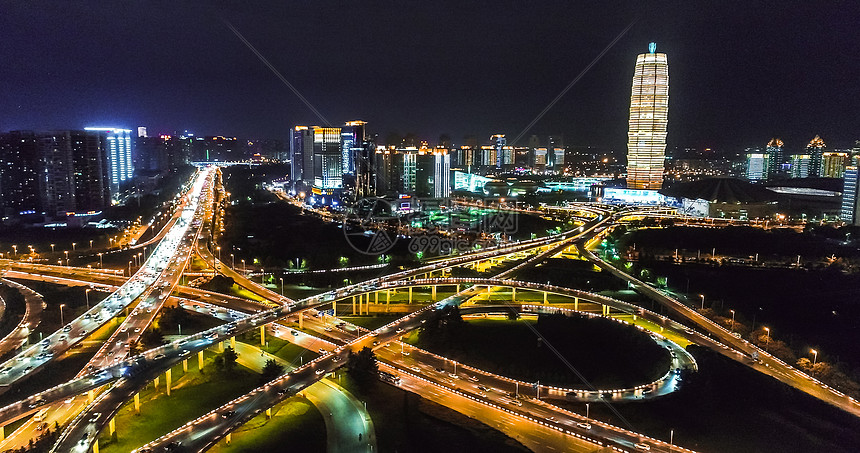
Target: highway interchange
x,y
471,391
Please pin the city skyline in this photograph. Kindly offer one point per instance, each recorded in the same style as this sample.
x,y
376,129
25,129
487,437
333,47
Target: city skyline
x,y
734,90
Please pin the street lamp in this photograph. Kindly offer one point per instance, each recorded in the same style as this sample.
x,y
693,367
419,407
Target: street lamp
x,y
232,261
52,248
61,314
15,248
101,263
73,245
767,338
703,300
282,285
87,293
67,256
91,244
814,358
243,269
732,329
129,268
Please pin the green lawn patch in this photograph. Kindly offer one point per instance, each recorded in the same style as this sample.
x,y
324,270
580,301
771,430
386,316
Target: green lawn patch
x,y
608,354
194,394
404,421
295,422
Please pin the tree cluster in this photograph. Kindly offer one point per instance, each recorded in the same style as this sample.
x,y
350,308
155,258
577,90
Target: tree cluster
x,y
362,366
271,370
226,361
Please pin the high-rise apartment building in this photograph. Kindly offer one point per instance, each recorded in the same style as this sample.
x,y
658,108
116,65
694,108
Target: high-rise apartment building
x,y
801,166
20,166
850,196
120,166
757,164
815,149
90,167
833,164
649,107
775,157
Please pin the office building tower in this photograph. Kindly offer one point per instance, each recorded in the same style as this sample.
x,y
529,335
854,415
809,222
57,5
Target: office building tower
x,y
815,150
120,166
301,157
141,131
801,166
388,163
649,106
833,164
557,159
757,164
540,157
441,173
409,174
775,158
327,161
850,198
360,150
499,142
554,147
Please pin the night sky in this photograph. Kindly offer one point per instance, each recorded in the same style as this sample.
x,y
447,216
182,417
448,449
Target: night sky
x,y
739,74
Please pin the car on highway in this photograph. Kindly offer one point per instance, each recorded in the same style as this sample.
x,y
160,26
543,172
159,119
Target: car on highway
x,y
584,425
642,446
320,371
228,414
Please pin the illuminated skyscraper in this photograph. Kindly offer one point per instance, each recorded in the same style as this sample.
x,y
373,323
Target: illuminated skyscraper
x,y
815,149
328,161
774,157
850,197
120,167
757,164
649,107
833,164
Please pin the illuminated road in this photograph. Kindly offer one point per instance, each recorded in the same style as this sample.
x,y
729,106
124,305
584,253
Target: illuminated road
x,y
157,362
766,364
31,319
344,415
